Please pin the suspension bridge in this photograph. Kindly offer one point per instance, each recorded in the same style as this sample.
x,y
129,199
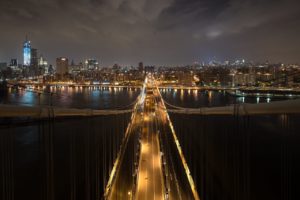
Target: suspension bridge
x,y
167,175
159,170
148,160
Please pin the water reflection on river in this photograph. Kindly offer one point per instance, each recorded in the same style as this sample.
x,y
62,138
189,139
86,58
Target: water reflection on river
x,y
74,97
210,98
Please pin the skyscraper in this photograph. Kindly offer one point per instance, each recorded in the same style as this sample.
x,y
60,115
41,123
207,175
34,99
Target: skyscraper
x,y
62,65
141,66
91,64
13,62
34,57
27,52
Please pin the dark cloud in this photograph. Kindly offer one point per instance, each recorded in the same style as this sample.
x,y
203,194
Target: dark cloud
x,y
154,31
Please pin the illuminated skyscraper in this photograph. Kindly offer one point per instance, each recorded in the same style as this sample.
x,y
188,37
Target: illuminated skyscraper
x,y
27,52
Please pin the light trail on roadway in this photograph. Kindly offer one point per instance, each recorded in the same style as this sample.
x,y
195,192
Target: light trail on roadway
x,y
150,184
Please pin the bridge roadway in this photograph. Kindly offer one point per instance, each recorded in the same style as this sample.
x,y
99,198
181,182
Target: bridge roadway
x,y
150,183
155,170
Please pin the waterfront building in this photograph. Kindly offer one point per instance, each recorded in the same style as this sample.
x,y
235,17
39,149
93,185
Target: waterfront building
x,y
244,79
91,64
62,64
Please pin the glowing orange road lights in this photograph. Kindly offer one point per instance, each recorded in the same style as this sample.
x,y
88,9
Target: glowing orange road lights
x,y
145,148
150,178
146,118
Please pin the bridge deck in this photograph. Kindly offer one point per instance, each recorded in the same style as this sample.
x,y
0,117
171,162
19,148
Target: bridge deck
x,y
150,179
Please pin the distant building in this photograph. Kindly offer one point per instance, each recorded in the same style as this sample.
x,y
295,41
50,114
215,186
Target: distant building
x,y
244,79
14,64
141,67
43,65
3,65
62,64
185,77
226,62
149,69
75,68
50,69
42,61
116,67
27,53
34,60
91,64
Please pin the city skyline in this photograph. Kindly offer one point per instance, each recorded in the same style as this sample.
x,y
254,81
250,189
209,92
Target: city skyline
x,y
26,59
168,33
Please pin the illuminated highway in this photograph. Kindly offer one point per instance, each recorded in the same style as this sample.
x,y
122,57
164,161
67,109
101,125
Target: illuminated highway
x,y
150,179
150,164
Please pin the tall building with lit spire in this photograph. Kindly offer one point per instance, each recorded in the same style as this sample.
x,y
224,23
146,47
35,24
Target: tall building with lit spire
x,y
27,52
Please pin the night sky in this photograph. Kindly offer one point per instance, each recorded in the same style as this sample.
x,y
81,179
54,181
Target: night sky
x,y
153,31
